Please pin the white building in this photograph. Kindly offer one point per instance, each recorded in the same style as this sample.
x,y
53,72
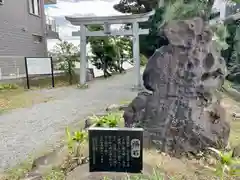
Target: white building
x,y
226,8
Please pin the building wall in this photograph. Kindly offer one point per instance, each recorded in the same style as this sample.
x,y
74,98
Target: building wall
x,y
17,27
226,8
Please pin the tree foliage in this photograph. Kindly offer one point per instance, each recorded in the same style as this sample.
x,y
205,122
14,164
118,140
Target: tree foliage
x,y
143,6
220,35
172,10
232,53
109,53
136,6
226,38
155,39
66,54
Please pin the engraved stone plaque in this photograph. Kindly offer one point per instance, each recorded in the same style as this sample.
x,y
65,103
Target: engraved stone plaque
x,y
115,149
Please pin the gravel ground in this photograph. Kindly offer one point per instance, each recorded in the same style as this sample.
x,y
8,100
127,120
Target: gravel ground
x,y
24,130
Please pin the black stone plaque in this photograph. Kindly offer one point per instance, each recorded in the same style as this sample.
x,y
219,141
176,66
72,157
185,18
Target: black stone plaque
x,y
115,149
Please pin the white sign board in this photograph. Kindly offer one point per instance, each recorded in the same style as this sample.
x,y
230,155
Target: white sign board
x,y
39,65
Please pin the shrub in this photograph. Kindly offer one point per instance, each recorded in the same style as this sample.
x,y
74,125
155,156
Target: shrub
x,y
143,60
110,120
227,166
75,140
66,54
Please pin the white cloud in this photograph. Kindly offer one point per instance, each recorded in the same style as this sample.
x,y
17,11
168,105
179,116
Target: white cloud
x,y
79,8
97,7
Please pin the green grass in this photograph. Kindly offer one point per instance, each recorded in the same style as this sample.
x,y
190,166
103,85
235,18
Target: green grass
x,y
232,106
235,132
60,81
125,102
164,165
54,174
227,84
20,97
19,170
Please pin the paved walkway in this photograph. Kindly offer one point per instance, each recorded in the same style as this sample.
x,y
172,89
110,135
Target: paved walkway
x,y
24,130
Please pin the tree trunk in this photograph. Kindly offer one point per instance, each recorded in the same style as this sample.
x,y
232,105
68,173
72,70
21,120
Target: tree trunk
x,y
105,69
209,9
70,72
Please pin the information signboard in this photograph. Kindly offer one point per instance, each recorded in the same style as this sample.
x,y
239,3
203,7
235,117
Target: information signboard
x,y
116,149
39,66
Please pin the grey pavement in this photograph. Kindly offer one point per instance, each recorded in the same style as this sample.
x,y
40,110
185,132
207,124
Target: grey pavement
x,y
22,131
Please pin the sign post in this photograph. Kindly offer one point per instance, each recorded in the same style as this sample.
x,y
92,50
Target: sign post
x,y
115,149
38,66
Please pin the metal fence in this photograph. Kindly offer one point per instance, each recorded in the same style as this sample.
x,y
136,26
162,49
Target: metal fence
x,y
12,67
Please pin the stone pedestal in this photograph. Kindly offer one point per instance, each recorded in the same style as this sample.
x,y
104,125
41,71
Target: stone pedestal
x,y
90,74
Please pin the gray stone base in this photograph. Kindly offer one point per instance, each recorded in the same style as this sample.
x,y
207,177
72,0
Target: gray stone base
x,y
90,74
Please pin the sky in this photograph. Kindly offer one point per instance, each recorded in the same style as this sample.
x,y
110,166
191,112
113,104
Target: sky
x,y
82,8
77,8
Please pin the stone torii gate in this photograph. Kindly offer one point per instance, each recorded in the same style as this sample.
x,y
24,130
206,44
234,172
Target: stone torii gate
x,y
107,21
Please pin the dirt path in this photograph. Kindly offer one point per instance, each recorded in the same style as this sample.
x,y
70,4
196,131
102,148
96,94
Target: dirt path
x,y
24,130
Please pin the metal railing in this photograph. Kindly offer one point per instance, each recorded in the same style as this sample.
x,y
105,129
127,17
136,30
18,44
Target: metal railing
x,y
12,67
51,24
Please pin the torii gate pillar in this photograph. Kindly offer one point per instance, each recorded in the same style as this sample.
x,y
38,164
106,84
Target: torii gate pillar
x,y
133,19
83,55
136,55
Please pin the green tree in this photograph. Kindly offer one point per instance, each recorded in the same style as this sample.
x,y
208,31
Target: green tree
x,y
231,28
136,6
123,47
143,6
155,39
109,53
232,55
66,54
102,50
173,9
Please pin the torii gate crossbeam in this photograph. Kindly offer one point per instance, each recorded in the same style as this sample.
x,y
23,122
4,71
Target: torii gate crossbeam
x,y
123,19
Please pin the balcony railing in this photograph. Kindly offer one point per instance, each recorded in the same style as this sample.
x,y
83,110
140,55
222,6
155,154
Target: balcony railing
x,y
52,28
51,25
50,2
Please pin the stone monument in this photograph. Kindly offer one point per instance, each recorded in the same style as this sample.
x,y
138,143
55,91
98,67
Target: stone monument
x,y
182,111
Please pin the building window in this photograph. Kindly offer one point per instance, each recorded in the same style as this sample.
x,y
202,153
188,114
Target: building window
x,y
34,7
37,39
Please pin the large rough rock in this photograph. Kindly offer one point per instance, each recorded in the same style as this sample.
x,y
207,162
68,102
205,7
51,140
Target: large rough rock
x,y
183,112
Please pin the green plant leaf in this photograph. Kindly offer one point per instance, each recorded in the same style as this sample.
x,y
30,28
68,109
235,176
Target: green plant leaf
x,y
79,136
70,142
227,158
